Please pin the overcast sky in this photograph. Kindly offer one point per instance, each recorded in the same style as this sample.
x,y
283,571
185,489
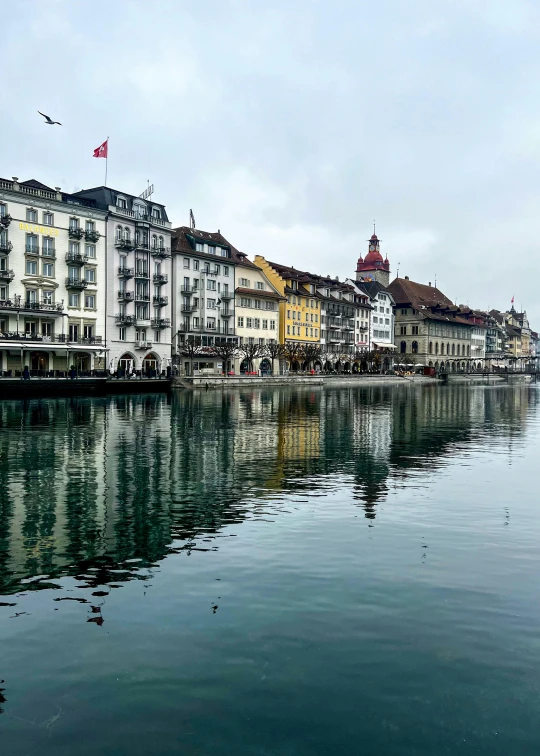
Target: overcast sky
x,y
291,125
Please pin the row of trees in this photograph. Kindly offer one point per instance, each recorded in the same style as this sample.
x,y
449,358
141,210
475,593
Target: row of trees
x,y
303,356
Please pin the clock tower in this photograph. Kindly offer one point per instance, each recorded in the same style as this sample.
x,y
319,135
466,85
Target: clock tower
x,y
373,267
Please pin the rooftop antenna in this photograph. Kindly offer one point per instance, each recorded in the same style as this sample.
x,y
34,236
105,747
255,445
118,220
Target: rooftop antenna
x,y
397,274
435,280
192,220
373,225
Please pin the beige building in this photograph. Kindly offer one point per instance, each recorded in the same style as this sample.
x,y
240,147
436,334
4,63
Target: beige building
x,y
256,304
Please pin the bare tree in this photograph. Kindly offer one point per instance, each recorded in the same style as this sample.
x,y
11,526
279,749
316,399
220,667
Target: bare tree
x,y
312,352
251,352
294,352
225,350
274,351
191,347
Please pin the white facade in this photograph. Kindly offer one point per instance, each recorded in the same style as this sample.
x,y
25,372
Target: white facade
x,y
138,318
52,280
478,343
382,321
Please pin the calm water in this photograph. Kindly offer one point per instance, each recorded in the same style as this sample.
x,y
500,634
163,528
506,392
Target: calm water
x,y
277,572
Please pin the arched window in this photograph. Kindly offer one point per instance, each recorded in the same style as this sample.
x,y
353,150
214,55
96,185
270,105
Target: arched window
x,y
154,241
160,242
436,347
415,347
453,349
458,349
431,347
442,348
119,232
403,347
3,237
127,233
468,350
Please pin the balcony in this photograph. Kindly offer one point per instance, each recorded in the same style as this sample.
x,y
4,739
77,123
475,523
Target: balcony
x,y
348,325
160,279
142,245
75,258
125,296
161,252
76,283
126,244
226,313
48,253
18,303
75,232
30,249
7,275
126,272
225,296
92,236
125,320
187,308
143,345
142,297
141,273
160,301
220,330
187,289
160,323
51,339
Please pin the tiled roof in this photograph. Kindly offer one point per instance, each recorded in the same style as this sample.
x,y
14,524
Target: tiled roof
x,y
259,293
184,238
428,300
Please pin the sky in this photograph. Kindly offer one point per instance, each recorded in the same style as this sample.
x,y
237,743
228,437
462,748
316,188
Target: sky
x,y
291,126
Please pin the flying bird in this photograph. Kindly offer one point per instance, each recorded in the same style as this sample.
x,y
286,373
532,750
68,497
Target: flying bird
x,y
48,121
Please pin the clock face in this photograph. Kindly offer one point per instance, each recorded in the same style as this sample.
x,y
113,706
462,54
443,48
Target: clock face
x,y
372,248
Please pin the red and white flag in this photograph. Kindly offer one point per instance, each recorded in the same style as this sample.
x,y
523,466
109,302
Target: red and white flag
x,y
102,150
512,302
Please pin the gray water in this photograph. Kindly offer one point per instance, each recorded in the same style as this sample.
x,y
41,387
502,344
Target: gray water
x,y
314,571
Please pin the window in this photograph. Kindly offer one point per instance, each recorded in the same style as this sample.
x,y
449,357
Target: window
x,y
211,250
272,325
316,333
195,265
31,268
244,282
294,330
211,304
48,219
414,330
240,322
211,285
156,213
73,223
3,210
316,318
73,300
127,234
31,215
256,323
48,269
225,270
245,302
402,329
32,244
265,324
90,251
30,327
90,275
74,248
260,285
224,253
186,262
47,297
288,330
403,347
404,311
217,270
48,246
289,314
257,303
154,241
415,347
431,347
294,315
121,203
90,226
122,334
88,331
199,247
211,324
157,336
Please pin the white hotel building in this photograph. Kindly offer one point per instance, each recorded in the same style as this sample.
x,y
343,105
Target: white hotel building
x,y
52,280
138,300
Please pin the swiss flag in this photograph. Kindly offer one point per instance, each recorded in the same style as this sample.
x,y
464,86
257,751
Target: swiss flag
x,y
102,150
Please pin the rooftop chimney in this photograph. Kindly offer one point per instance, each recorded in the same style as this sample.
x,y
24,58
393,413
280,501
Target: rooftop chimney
x,y
429,284
406,278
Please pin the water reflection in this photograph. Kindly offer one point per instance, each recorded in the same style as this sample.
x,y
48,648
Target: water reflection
x,y
99,488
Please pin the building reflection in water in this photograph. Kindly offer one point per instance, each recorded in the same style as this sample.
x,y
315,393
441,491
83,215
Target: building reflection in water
x,y
102,486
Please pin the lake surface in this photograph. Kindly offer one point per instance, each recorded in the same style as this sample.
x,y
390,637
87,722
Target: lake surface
x,y
284,572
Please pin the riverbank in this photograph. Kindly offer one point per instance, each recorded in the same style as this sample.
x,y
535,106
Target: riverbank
x,y
370,379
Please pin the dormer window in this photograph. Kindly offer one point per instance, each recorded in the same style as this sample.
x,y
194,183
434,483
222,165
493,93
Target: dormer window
x,y
199,247
139,210
156,212
121,203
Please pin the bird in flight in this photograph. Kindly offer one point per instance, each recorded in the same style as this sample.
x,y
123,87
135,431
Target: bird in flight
x,y
48,120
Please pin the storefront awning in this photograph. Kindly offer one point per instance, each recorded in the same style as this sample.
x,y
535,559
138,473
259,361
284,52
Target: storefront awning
x,y
383,346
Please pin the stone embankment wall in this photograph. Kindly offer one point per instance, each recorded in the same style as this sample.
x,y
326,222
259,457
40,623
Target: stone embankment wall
x,y
296,380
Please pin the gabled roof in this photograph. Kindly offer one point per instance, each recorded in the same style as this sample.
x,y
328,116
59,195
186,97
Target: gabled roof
x,y
184,239
37,185
259,293
405,291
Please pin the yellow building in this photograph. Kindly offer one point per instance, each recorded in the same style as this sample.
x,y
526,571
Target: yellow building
x,y
300,311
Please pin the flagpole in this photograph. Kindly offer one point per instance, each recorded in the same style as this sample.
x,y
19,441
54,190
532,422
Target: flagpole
x,y
107,161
